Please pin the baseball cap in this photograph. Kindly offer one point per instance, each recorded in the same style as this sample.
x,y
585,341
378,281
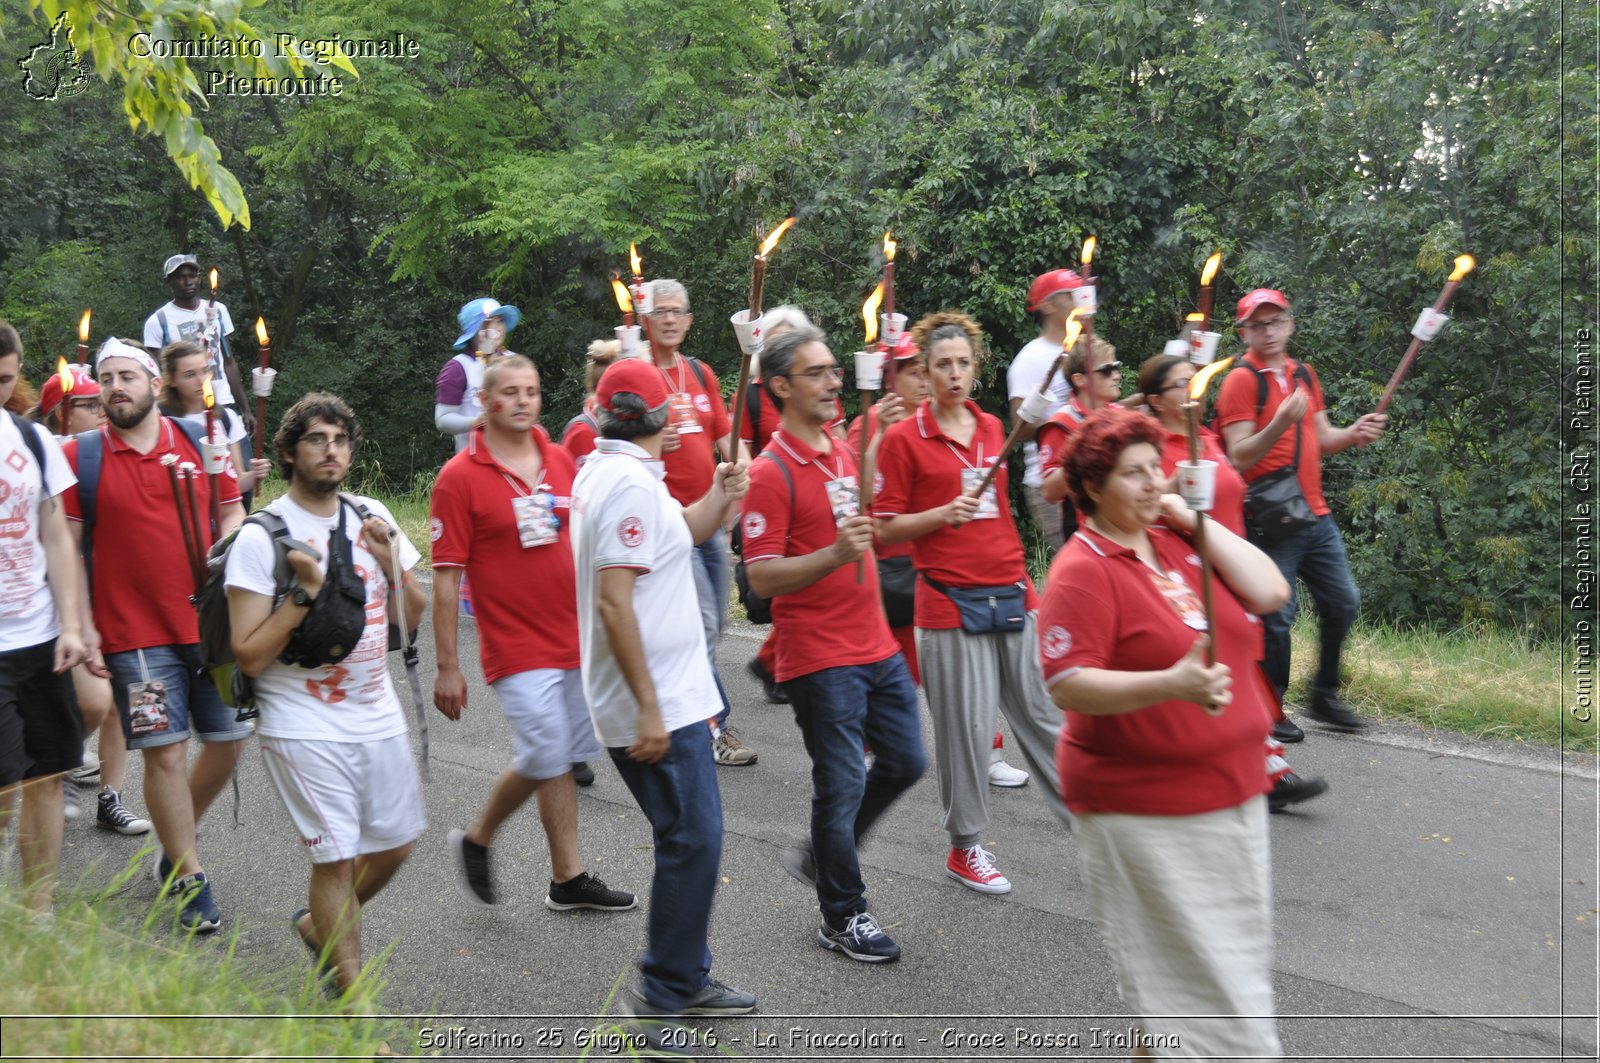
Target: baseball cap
x,y
905,349
1047,284
115,348
472,316
84,386
179,260
1262,297
631,376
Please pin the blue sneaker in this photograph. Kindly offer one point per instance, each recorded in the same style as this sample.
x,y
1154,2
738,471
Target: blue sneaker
x,y
200,914
860,939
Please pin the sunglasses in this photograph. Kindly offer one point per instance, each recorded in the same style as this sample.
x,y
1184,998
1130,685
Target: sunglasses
x,y
1109,369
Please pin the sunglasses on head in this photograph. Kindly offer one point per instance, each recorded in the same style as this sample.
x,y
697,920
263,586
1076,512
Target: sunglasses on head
x,y
1109,369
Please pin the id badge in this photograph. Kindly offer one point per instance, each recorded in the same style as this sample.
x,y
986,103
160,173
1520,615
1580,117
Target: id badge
x,y
147,708
844,499
1183,600
537,524
683,413
989,504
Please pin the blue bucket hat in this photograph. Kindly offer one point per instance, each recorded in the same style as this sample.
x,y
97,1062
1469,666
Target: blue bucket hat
x,y
472,316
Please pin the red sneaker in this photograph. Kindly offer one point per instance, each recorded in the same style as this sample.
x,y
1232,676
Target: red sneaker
x,y
974,868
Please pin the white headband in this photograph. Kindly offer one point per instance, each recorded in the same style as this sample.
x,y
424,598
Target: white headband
x,y
115,348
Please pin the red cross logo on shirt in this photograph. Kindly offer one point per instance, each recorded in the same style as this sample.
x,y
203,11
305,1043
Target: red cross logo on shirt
x,y
631,532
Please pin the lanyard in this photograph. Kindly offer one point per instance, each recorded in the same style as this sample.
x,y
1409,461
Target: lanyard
x,y
683,370
835,474
962,458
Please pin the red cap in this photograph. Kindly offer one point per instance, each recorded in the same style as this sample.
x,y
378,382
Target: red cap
x,y
1262,297
84,386
1047,284
630,376
903,348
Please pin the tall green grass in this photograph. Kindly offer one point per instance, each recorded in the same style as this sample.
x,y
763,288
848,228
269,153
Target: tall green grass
x,y
96,982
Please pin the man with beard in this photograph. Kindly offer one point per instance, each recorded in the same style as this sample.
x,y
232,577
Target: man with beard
x,y
501,514
333,732
145,619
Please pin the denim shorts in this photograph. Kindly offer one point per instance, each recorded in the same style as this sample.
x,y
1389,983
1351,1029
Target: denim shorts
x,y
192,701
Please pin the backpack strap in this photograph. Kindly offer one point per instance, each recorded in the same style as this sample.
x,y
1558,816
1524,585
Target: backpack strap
x,y
788,481
91,452
699,368
31,437
1300,376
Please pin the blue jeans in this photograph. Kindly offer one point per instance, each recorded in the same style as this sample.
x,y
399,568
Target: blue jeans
x,y
711,585
839,710
680,798
192,701
1316,557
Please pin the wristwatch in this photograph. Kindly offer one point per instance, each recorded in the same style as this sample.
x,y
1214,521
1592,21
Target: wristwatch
x,y
298,595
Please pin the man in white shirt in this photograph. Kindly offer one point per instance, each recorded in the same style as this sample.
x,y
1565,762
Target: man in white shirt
x,y
188,316
649,685
41,733
1049,296
332,729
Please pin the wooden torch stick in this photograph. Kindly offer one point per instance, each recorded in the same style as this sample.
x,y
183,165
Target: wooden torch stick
x,y
1464,265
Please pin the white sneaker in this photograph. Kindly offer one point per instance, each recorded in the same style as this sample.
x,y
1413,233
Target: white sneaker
x,y
70,810
1003,774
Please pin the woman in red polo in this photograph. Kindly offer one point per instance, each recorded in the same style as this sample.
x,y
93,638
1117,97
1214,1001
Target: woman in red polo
x,y
1164,380
1161,753
975,605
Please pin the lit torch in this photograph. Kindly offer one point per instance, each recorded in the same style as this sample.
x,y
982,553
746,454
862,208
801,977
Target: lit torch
x,y
1197,394
869,320
1207,293
1086,265
624,303
889,247
1031,411
264,374
65,376
210,398
758,277
1429,322
83,337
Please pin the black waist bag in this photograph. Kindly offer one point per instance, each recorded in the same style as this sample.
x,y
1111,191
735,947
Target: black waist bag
x,y
897,582
338,615
1275,507
999,610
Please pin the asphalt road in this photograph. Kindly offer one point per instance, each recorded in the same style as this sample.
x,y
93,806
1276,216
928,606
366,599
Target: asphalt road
x,y
1439,903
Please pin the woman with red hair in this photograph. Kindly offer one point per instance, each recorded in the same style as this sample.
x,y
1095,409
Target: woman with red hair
x,y
1160,758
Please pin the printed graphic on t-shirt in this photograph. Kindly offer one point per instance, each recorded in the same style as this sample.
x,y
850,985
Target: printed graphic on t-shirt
x,y
17,555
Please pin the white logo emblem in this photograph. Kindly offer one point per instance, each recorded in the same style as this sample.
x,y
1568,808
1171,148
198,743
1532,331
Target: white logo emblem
x,y
754,526
1057,642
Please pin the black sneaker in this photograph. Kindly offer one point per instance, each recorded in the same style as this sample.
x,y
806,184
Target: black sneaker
x,y
112,814
582,774
860,939
1288,732
770,686
161,871
472,869
801,863
1333,712
1292,789
715,998
200,913
586,891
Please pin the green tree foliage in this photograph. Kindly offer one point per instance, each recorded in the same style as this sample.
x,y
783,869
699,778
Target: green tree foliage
x,y
1344,152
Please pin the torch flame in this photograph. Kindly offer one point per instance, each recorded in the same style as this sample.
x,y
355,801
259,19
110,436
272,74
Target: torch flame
x,y
83,325
1464,266
1202,379
1074,330
772,241
207,394
213,282
888,247
1209,273
1194,317
620,290
65,374
635,261
261,332
1089,244
869,313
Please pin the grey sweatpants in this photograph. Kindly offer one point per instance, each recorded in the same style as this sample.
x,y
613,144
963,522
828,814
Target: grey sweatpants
x,y
965,677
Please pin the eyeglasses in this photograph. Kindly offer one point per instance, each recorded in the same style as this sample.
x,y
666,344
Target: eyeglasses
x,y
92,405
1275,324
1109,369
817,372
1181,384
668,313
320,441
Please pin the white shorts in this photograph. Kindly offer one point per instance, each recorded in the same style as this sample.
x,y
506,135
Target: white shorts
x,y
550,725
347,799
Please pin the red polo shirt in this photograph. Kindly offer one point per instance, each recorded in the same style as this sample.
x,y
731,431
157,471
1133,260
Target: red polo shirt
x,y
835,621
1237,402
580,435
1104,608
1228,509
525,598
692,466
1053,434
922,469
141,572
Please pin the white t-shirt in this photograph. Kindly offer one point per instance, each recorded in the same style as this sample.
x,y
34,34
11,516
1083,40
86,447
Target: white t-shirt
x,y
1023,378
354,700
623,517
27,609
190,325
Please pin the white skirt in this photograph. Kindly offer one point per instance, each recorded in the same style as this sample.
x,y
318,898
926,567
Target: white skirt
x,y
1185,906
